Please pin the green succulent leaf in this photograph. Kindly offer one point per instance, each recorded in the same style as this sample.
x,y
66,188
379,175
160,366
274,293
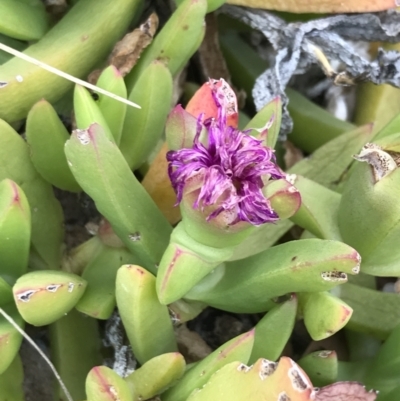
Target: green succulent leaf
x,y
15,231
103,384
46,136
284,198
103,173
42,297
390,396
10,338
113,110
184,263
392,127
384,370
24,21
183,311
46,213
146,321
369,219
263,380
326,167
328,164
144,127
324,314
274,330
87,112
100,273
212,5
11,381
72,45
319,209
237,349
156,375
5,292
321,367
247,286
374,312
268,119
187,23
75,349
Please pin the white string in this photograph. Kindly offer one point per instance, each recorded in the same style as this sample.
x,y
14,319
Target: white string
x,y
65,75
41,353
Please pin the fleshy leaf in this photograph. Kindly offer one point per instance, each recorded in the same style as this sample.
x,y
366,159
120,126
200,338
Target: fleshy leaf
x,y
146,321
103,384
247,285
265,380
103,173
46,212
237,349
42,297
318,210
324,314
15,231
321,367
273,331
10,338
369,216
156,375
374,312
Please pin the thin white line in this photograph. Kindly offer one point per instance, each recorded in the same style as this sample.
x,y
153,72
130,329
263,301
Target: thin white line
x,y
41,353
65,75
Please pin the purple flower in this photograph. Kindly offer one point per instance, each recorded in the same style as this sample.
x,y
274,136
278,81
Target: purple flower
x,y
230,172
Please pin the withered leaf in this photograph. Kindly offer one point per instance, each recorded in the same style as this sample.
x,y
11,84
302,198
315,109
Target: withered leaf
x,y
299,46
212,62
127,51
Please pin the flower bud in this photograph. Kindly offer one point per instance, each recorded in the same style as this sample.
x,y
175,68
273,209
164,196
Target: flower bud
x,y
219,180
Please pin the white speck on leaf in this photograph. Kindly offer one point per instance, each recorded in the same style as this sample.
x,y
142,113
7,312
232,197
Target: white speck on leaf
x,y
135,236
334,276
53,287
26,296
83,136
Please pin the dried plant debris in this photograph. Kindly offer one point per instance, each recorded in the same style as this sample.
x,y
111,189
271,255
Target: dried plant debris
x,y
210,57
299,46
127,51
123,362
382,162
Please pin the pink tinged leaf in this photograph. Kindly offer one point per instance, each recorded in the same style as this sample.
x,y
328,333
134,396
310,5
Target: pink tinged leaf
x,y
180,128
345,391
285,199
